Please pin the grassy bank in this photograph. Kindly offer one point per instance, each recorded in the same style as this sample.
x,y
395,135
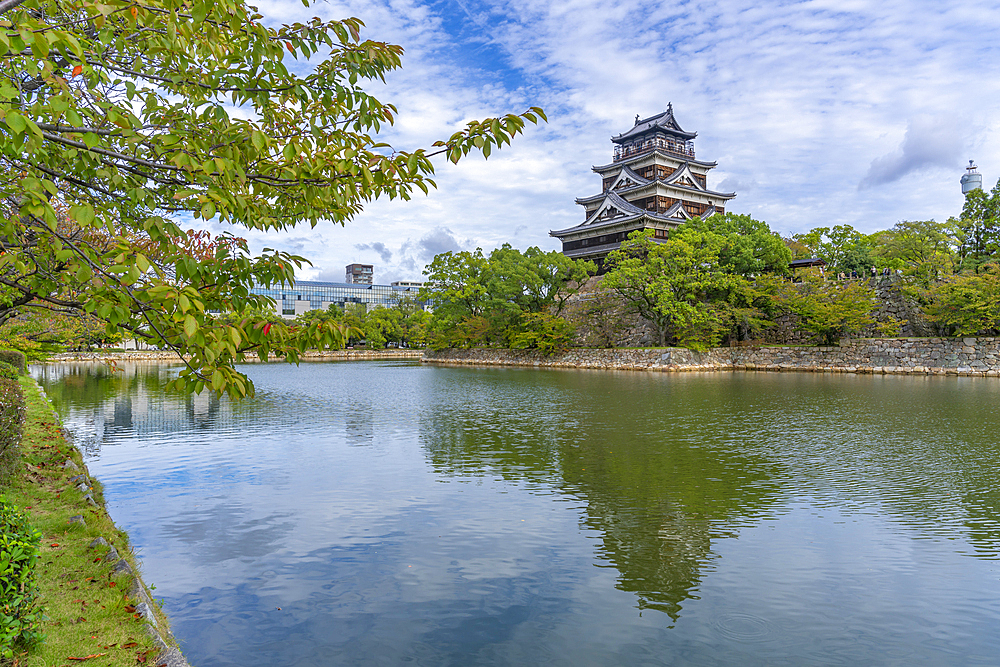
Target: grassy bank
x,y
84,590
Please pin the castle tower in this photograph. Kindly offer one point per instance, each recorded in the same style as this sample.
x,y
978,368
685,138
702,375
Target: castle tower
x,y
654,182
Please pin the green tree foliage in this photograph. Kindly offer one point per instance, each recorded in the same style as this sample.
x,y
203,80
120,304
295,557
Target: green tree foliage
x,y
966,304
747,247
15,358
977,231
403,324
456,285
670,284
385,325
481,300
923,249
842,247
696,287
544,332
118,117
418,328
40,332
831,309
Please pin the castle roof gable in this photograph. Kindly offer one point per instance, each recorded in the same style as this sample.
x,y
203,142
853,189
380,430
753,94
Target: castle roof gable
x,y
663,122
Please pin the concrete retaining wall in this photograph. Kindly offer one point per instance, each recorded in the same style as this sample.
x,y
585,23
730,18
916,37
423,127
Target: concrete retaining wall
x,y
940,356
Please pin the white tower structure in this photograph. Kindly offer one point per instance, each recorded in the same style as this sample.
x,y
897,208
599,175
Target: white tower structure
x,y
972,180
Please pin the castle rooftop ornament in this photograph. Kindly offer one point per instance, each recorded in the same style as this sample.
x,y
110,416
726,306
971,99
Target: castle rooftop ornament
x,y
655,182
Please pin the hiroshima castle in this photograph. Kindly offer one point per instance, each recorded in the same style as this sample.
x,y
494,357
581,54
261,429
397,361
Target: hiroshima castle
x,y
654,182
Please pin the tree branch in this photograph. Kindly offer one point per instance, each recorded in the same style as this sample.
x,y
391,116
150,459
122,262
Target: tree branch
x,y
9,5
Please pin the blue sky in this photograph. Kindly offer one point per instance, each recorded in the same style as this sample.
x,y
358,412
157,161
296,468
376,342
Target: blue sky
x,y
819,113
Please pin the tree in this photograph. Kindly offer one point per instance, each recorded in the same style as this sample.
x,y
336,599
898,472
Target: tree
x,y
384,325
40,333
333,313
670,284
842,247
418,328
544,332
978,229
747,247
830,309
456,284
966,304
481,300
127,115
919,248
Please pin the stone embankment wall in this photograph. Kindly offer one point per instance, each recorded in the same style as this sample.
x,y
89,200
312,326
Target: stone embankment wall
x,y
314,355
934,356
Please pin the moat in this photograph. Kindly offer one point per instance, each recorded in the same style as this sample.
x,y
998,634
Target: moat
x,y
383,513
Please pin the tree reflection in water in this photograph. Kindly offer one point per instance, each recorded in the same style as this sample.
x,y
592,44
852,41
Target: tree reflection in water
x,y
657,492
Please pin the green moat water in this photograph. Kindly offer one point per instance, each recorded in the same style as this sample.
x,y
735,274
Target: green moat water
x,y
398,513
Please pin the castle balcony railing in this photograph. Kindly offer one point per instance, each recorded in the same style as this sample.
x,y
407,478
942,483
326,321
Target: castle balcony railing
x,y
681,148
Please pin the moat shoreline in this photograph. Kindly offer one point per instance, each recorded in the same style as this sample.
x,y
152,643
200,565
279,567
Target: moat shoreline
x,y
905,356
968,356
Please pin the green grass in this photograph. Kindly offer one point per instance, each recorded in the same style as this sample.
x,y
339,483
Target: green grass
x,y
86,609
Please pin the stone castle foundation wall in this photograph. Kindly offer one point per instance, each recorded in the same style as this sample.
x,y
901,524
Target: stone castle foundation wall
x,y
932,356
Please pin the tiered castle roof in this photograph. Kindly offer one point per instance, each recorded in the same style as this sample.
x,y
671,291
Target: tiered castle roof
x,y
655,182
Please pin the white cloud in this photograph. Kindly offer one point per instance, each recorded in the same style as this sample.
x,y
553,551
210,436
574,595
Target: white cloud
x,y
797,101
929,142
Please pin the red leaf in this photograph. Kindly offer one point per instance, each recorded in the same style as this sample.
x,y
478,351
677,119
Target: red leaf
x,y
87,657
289,45
267,330
78,70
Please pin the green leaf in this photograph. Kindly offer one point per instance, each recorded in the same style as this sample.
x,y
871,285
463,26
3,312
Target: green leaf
x,y
15,121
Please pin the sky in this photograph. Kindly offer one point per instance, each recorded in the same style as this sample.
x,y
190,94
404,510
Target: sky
x,y
819,113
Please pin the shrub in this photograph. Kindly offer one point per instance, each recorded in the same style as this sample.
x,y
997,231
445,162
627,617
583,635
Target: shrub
x,y
11,423
7,371
20,613
546,333
15,358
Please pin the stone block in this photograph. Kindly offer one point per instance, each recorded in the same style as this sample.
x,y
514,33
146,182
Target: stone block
x,y
121,567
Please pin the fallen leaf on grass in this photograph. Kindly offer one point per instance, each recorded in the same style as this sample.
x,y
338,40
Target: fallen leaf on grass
x,y
87,657
130,608
130,645
143,655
